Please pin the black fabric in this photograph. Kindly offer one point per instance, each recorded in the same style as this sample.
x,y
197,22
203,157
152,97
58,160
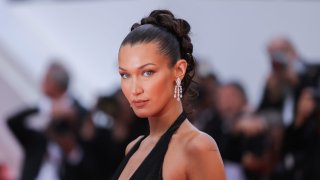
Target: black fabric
x,y
309,78
151,166
303,143
34,143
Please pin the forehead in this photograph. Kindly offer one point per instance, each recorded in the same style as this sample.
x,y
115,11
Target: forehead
x,y
278,44
228,90
131,56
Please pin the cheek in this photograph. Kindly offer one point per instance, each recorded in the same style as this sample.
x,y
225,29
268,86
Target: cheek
x,y
161,88
125,89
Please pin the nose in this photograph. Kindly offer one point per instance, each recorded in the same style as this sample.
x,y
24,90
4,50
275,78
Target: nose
x,y
136,87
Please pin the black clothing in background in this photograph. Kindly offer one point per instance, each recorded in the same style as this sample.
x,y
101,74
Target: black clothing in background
x,y
303,146
34,144
309,78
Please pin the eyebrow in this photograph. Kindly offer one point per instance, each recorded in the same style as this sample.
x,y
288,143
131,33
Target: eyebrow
x,y
148,64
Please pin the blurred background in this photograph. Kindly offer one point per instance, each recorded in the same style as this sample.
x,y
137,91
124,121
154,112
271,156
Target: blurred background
x,y
258,80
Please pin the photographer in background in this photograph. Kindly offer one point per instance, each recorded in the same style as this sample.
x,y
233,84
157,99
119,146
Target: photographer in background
x,y
289,74
48,133
302,139
243,144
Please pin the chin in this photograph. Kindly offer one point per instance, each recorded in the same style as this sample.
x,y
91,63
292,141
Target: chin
x,y
141,113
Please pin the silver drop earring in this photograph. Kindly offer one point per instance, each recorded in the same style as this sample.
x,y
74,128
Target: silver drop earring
x,y
178,90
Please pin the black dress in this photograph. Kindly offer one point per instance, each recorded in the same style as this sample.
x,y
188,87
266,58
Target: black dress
x,y
151,166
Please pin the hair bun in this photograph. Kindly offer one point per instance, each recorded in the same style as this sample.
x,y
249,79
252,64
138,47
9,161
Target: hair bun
x,y
135,25
156,13
166,20
184,27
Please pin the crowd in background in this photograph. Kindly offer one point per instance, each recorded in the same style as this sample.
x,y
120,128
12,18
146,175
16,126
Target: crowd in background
x,y
278,139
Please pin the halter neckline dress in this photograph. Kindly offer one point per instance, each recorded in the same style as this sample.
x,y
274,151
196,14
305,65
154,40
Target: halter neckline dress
x,y
151,166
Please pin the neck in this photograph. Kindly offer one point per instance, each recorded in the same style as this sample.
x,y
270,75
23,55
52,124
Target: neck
x,y
58,95
159,123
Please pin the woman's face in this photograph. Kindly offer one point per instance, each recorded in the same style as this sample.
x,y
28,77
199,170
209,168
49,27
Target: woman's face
x,y
147,80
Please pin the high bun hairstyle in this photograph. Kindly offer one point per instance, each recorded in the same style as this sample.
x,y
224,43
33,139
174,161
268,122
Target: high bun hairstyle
x,y
172,36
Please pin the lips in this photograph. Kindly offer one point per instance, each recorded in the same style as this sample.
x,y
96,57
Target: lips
x,y
139,103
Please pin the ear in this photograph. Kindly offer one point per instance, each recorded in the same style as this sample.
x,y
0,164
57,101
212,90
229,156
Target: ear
x,y
180,68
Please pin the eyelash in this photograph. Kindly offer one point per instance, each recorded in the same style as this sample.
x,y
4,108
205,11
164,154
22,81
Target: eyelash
x,y
123,75
149,73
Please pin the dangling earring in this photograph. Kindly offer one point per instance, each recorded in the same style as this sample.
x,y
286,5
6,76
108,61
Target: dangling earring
x,y
178,90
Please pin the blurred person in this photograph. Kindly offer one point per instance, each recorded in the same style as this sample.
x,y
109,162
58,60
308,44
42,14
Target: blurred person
x,y
96,136
290,73
232,102
108,140
205,116
206,89
275,131
127,126
243,143
302,139
156,58
48,132
255,147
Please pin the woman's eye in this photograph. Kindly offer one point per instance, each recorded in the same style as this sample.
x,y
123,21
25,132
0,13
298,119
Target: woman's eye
x,y
124,75
148,73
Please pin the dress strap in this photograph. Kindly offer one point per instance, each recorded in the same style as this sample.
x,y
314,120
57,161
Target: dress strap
x,y
127,158
151,167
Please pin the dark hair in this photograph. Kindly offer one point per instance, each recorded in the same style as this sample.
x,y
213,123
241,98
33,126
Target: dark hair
x,y
59,74
171,35
239,87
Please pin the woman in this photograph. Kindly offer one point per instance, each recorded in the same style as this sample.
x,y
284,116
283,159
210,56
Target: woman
x,y
156,66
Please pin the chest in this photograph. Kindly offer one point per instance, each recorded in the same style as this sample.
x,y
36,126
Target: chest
x,y
172,166
134,162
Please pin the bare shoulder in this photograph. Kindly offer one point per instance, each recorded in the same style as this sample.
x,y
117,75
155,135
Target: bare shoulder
x,y
132,143
201,142
204,154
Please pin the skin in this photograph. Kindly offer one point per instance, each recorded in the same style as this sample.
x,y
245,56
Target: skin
x,y
284,45
306,105
288,74
147,76
50,88
230,102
